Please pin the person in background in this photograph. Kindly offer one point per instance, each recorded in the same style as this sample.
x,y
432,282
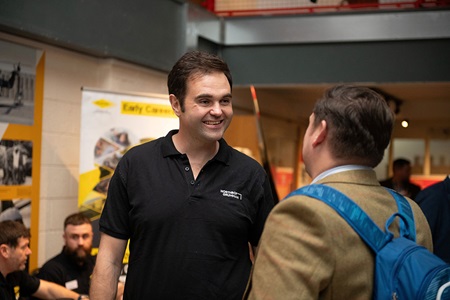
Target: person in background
x,y
435,204
73,267
307,250
189,203
400,180
14,281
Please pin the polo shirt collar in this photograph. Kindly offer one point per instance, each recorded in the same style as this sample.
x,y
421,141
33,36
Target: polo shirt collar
x,y
168,148
2,279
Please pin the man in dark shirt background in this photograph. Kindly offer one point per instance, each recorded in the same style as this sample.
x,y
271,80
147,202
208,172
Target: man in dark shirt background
x,y
73,267
400,180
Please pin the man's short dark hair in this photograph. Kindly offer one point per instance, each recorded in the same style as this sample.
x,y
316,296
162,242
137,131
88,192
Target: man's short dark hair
x,y
76,219
191,64
359,120
11,231
400,163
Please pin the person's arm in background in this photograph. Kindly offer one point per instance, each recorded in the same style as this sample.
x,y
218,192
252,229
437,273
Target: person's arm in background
x,y
51,272
50,290
107,268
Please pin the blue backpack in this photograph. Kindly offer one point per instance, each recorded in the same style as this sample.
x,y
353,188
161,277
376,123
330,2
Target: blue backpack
x,y
403,269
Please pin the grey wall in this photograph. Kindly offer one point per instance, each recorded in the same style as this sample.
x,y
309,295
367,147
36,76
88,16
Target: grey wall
x,y
365,46
393,61
146,32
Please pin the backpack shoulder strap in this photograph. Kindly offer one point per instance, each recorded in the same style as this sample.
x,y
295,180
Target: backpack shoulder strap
x,y
405,210
350,211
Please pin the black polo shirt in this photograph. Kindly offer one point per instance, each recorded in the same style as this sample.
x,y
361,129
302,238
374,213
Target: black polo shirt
x,y
63,270
17,284
188,238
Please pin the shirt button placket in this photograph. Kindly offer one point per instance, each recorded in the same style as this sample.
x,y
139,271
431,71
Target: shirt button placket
x,y
187,169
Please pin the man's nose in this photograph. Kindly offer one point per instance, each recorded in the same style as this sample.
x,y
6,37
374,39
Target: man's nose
x,y
216,109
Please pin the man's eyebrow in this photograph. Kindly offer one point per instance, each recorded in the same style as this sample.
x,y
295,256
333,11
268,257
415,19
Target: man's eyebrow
x,y
228,95
204,96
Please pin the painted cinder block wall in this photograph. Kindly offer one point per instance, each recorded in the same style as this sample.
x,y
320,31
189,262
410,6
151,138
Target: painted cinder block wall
x,y
66,72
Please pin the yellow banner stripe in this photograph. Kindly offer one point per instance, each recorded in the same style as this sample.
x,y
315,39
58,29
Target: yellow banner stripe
x,y
146,109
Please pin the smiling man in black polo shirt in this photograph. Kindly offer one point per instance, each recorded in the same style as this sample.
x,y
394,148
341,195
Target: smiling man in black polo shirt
x,y
188,202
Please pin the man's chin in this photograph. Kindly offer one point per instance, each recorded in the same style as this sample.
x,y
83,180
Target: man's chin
x,y
80,256
214,136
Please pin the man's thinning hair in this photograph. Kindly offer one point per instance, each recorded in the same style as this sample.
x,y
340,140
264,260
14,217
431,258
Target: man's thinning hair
x,y
11,231
359,121
76,219
194,63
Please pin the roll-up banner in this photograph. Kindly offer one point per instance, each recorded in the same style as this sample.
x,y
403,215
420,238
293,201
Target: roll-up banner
x,y
112,123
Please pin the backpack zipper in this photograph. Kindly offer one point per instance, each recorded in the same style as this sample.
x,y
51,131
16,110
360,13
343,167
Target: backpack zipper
x,y
406,252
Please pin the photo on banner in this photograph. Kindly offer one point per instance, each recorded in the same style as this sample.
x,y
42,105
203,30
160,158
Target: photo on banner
x,y
15,180
17,83
21,98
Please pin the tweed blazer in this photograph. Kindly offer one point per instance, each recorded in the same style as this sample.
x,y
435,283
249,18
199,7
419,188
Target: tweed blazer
x,y
308,251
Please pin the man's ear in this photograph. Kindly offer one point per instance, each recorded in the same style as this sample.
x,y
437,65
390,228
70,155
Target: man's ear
x,y
175,104
320,133
4,250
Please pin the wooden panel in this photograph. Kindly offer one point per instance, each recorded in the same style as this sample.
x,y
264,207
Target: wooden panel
x,y
243,133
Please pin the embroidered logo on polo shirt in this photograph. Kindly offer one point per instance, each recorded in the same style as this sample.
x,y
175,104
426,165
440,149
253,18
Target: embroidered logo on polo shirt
x,y
231,194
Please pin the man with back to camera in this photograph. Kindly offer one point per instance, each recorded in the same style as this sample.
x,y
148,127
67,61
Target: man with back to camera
x,y
401,179
307,250
188,202
14,281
